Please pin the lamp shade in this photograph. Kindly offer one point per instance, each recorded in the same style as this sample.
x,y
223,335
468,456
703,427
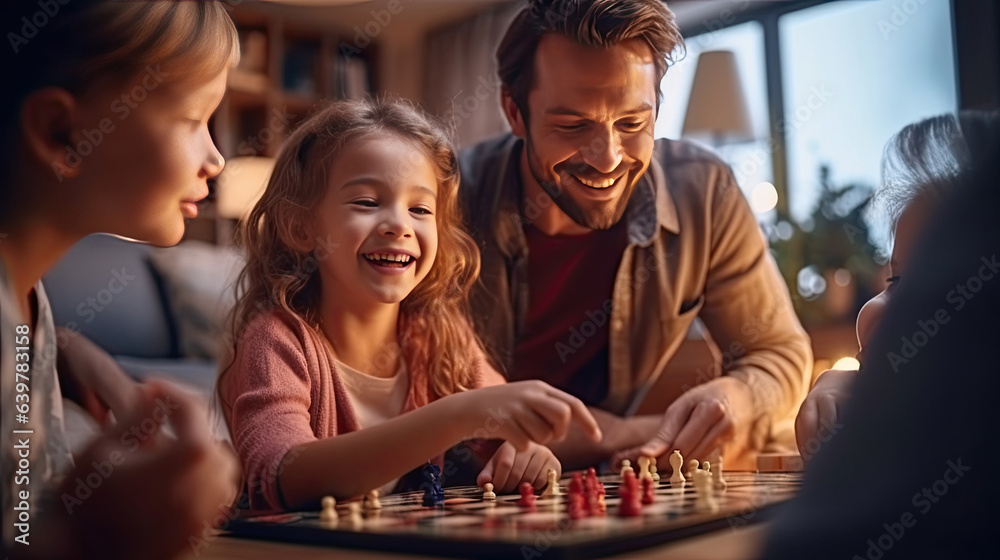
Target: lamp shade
x,y
717,107
240,185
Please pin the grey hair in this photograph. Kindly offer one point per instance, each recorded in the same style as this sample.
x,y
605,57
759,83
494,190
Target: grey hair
x,y
923,159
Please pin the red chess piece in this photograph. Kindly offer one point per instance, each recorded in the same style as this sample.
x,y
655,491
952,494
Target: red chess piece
x,y
527,495
648,491
575,506
577,487
590,481
589,496
598,493
630,505
631,482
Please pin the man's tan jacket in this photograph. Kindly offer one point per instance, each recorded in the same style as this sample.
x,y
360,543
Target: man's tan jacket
x,y
695,250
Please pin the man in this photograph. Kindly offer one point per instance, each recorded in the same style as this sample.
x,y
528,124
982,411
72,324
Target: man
x,y
600,245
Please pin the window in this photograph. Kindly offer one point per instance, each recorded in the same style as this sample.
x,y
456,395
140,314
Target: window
x,y
855,73
851,74
751,161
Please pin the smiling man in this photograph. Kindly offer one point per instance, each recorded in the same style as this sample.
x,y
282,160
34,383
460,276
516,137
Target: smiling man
x,y
601,244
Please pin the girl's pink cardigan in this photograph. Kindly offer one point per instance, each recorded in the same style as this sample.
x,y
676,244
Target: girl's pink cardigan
x,y
283,390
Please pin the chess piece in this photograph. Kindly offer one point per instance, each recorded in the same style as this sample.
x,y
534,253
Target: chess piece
x,y
594,493
576,484
433,493
372,501
601,507
527,495
648,491
704,492
552,488
354,518
589,496
706,466
575,506
328,514
488,494
693,465
676,462
630,505
626,467
644,473
653,473
631,480
718,481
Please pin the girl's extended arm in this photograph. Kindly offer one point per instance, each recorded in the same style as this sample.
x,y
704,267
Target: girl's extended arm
x,y
351,464
269,398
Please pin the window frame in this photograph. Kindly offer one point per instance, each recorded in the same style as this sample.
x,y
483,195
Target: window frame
x,y
768,16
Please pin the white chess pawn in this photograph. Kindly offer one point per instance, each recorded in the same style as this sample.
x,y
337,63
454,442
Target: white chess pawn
x,y
692,466
676,462
719,482
706,466
488,493
329,512
704,492
552,488
644,473
626,467
354,518
372,501
653,473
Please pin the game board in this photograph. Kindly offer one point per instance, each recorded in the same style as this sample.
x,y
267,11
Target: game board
x,y
466,526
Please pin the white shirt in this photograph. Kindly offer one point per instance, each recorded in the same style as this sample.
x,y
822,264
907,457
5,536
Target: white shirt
x,y
375,399
48,456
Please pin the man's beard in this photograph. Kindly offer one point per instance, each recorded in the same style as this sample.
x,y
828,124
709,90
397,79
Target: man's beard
x,y
602,215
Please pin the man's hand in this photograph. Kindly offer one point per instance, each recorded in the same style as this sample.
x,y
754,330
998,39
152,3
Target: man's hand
x,y
701,420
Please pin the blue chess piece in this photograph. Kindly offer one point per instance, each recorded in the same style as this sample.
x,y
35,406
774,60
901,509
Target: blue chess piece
x,y
433,493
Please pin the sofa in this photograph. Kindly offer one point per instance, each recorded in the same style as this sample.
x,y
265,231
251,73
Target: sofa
x,y
157,311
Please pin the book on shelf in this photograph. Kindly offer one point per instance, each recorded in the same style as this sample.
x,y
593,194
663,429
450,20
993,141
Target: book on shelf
x,y
350,78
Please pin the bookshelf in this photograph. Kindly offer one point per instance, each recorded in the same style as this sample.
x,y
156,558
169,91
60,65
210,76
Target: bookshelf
x,y
287,70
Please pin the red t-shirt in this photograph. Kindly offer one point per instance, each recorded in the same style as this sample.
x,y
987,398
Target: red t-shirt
x,y
565,337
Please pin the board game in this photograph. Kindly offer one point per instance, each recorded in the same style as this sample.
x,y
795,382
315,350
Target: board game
x,y
467,526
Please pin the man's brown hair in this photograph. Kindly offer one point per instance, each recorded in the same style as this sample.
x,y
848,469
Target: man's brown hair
x,y
595,23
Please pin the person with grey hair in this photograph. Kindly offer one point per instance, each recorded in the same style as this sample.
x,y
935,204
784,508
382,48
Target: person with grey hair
x,y
919,168
909,474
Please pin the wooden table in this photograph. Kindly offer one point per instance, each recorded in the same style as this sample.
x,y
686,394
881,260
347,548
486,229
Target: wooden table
x,y
742,543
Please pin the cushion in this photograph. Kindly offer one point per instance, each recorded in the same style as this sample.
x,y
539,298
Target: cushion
x,y
194,374
105,288
199,278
